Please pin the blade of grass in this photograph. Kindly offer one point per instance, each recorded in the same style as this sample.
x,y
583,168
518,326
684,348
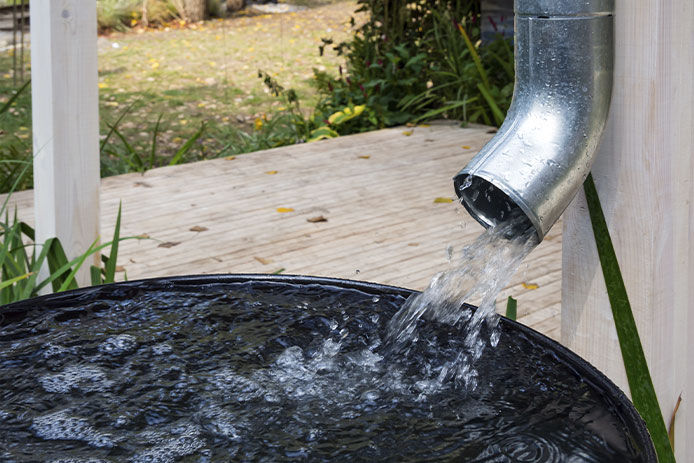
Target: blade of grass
x,y
115,125
95,275
110,269
475,57
56,260
498,114
511,308
153,151
14,280
640,384
187,146
70,280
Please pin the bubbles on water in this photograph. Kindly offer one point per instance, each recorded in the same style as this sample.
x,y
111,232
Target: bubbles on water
x,y
119,345
78,460
54,350
162,349
85,378
171,445
61,425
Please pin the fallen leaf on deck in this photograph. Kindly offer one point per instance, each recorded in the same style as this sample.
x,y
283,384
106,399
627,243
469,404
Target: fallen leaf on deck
x,y
410,124
364,157
278,271
143,236
120,268
282,210
144,184
320,218
443,200
230,158
465,147
169,244
407,133
198,228
271,172
424,125
530,285
413,244
263,261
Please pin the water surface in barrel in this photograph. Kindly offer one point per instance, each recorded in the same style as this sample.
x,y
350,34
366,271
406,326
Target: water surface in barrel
x,y
275,371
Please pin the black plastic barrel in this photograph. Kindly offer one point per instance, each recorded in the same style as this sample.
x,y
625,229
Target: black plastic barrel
x,y
49,317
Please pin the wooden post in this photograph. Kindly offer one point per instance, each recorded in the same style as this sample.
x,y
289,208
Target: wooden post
x,y
65,124
644,174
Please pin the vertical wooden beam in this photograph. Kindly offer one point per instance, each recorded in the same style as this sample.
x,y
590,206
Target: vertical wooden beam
x,y
644,174
65,124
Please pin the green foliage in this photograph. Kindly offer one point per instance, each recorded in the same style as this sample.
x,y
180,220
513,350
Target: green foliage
x,y
15,152
413,61
120,15
21,260
116,14
121,156
640,384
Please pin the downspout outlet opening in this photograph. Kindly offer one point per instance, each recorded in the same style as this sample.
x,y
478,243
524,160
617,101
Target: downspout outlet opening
x,y
489,205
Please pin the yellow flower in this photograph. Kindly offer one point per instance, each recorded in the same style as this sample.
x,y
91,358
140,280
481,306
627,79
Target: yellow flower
x,y
258,123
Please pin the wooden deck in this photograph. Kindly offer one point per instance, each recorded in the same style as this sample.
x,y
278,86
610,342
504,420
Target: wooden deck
x,y
376,192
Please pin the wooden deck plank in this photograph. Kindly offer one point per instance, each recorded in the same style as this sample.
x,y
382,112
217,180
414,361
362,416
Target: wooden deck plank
x,y
382,222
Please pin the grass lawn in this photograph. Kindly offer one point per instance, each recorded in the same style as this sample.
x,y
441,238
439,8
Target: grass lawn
x,y
194,74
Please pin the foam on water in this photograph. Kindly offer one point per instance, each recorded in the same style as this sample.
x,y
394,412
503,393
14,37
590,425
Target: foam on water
x,y
280,372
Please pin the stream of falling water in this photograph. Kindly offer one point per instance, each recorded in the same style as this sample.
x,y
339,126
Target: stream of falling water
x,y
481,271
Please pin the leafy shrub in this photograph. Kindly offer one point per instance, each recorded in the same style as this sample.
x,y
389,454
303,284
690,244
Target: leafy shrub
x,y
412,61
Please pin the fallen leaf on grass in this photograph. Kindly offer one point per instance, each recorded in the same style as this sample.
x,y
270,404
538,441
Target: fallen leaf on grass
x,y
230,158
282,210
320,218
407,133
364,157
169,244
271,172
443,200
263,261
530,285
198,228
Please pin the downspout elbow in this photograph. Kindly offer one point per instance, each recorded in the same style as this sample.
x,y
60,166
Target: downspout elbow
x,y
543,151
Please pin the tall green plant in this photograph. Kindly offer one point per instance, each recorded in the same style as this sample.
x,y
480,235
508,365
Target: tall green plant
x,y
21,260
640,383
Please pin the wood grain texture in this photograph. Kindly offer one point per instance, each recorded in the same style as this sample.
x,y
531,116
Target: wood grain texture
x,y
382,222
643,173
65,123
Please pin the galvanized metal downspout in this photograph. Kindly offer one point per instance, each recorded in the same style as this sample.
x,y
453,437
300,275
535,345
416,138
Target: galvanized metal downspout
x,y
543,152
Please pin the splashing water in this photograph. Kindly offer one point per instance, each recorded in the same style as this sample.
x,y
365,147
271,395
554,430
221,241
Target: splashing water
x,y
483,269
